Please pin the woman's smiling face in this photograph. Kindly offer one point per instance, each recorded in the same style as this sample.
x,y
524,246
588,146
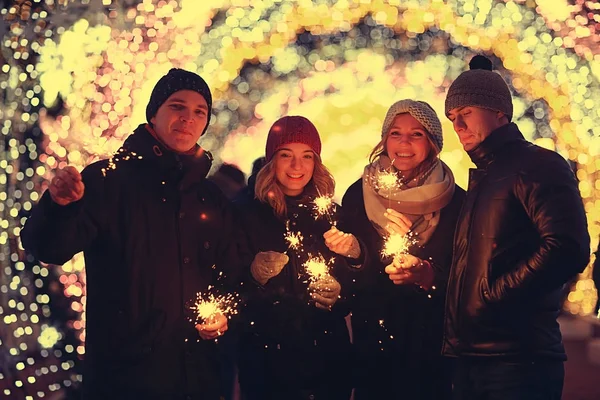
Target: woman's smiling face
x,y
407,143
294,166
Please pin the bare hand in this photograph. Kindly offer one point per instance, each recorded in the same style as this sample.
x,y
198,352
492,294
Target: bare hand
x,y
398,222
66,187
213,328
408,269
341,243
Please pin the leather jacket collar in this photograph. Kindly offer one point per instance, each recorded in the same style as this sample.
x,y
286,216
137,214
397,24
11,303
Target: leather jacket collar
x,y
484,154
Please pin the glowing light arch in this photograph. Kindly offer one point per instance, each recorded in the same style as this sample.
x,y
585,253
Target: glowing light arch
x,y
130,48
260,45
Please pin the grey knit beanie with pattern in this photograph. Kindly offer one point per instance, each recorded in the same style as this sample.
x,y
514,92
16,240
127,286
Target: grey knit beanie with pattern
x,y
420,111
480,87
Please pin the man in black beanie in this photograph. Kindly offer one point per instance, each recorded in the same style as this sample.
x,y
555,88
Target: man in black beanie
x,y
154,232
522,235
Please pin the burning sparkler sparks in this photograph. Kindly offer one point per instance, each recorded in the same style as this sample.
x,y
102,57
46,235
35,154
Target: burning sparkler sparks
x,y
208,305
316,267
324,206
397,244
121,155
387,180
294,239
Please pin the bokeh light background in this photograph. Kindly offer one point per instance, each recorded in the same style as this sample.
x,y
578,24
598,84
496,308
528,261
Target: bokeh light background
x,y
75,77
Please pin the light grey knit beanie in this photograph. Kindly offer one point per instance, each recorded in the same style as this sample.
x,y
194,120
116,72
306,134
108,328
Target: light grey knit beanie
x,y
420,111
480,87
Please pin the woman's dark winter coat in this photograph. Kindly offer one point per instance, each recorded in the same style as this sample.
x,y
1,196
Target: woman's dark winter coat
x,y
289,348
398,329
154,232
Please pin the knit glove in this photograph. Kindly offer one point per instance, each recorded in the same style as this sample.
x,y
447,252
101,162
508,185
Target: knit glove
x,y
325,292
266,265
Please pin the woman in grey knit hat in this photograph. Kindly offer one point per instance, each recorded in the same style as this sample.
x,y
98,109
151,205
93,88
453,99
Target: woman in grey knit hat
x,y
397,311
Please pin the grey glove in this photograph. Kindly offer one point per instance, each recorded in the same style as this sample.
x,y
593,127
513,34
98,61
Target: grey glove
x,y
325,292
267,264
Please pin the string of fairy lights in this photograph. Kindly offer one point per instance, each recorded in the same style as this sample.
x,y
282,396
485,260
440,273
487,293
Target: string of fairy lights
x,y
75,76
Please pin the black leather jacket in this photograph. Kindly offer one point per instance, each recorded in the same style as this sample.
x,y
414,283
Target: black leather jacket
x,y
522,234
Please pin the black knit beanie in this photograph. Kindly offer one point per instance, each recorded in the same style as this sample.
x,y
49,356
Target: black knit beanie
x,y
480,87
175,80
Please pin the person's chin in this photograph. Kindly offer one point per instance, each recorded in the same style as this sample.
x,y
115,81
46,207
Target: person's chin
x,y
299,185
185,142
403,166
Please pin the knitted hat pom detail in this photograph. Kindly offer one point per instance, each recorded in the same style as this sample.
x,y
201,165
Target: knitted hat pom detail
x,y
480,62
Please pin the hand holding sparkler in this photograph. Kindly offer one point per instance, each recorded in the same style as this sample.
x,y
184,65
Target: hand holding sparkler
x,y
66,187
210,312
325,291
408,269
214,327
342,243
267,264
399,223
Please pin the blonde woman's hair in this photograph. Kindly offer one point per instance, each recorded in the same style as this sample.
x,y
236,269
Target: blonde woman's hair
x,y
268,190
432,157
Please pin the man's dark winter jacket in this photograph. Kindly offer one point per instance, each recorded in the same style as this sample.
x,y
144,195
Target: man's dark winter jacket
x,y
154,232
522,234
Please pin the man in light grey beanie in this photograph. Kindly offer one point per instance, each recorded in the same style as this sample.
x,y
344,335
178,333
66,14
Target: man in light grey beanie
x,y
522,234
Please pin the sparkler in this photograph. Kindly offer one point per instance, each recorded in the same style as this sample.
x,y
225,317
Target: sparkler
x,y
294,239
206,306
120,155
387,180
316,267
396,244
324,206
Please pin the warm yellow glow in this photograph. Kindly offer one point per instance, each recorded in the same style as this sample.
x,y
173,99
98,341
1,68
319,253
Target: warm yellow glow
x,y
49,337
341,64
316,267
396,245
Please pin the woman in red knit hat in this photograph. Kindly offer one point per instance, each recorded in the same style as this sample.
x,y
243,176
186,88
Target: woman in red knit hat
x,y
294,343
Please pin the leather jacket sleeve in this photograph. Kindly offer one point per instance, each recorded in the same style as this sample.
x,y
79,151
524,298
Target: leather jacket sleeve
x,y
549,195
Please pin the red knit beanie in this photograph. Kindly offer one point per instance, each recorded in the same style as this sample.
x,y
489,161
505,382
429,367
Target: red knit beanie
x,y
292,129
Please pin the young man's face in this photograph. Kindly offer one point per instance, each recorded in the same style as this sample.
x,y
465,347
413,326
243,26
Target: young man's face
x,y
181,119
473,124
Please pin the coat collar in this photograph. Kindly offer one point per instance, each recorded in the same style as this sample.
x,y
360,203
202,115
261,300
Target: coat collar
x,y
143,145
484,154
